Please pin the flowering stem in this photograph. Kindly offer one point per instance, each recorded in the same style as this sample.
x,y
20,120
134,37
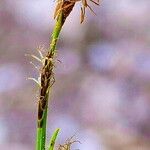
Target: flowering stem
x,y
47,77
46,83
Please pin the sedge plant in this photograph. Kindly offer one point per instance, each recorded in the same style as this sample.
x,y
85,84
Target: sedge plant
x,y
46,78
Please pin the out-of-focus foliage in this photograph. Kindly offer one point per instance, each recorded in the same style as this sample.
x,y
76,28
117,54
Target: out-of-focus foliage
x,y
102,85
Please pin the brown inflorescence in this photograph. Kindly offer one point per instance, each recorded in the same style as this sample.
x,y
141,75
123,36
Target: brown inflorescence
x,y
47,80
66,6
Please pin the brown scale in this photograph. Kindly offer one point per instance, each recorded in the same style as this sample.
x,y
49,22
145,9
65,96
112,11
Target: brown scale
x,y
64,6
67,8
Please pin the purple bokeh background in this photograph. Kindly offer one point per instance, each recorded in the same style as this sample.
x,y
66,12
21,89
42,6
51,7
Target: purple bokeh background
x,y
102,89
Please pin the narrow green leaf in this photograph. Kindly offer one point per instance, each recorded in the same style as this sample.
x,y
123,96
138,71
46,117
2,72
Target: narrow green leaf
x,y
53,139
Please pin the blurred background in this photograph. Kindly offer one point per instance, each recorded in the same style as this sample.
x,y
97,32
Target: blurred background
x,y
102,89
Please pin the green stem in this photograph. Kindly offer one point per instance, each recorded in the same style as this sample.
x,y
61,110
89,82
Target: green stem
x,y
41,130
55,34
